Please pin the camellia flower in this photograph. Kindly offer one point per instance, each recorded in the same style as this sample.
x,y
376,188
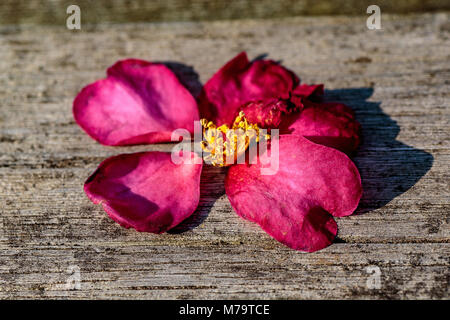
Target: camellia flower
x,y
142,103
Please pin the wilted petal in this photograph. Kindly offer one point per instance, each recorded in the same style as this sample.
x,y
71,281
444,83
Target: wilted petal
x,y
266,114
146,191
294,204
311,92
241,81
139,102
330,124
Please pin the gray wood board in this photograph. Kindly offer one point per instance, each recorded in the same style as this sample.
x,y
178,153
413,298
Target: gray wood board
x,y
396,79
112,11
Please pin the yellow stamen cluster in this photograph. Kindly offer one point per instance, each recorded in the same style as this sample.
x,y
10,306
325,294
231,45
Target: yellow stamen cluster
x,y
223,144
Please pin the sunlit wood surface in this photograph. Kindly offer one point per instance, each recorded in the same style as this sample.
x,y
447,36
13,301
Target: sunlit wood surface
x,y
396,79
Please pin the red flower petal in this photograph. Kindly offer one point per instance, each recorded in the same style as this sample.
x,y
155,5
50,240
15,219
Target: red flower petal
x,y
146,191
292,204
241,81
266,114
139,102
330,124
314,91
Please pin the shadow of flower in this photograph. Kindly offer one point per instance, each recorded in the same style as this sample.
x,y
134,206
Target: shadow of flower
x,y
387,166
186,75
212,187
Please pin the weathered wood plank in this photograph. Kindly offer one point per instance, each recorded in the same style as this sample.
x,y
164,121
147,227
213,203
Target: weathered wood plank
x,y
107,11
145,270
396,79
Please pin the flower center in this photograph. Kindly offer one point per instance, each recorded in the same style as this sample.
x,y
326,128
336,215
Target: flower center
x,y
223,145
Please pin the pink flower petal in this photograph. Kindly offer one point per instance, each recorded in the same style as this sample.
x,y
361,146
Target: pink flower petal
x,y
139,102
312,92
266,114
146,191
294,204
330,124
241,81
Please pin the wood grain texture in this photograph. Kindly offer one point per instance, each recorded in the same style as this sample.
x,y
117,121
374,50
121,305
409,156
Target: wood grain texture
x,y
396,79
53,12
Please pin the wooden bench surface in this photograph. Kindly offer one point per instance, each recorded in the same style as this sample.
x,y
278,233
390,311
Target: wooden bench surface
x,y
396,79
